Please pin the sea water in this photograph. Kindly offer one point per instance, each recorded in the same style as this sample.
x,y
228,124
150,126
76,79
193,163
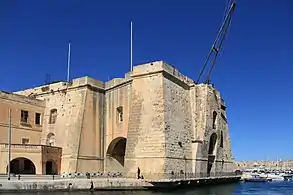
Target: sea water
x,y
269,188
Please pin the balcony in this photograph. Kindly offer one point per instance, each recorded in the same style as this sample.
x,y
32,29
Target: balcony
x,y
30,148
21,147
25,123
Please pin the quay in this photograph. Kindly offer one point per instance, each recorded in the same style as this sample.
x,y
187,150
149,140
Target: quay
x,y
36,183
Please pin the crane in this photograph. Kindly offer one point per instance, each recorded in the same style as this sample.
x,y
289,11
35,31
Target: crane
x,y
217,45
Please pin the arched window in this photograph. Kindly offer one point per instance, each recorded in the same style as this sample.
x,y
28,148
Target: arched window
x,y
53,116
51,139
214,119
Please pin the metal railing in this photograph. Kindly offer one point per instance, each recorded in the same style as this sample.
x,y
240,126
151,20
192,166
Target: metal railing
x,y
149,175
111,175
23,177
35,146
181,175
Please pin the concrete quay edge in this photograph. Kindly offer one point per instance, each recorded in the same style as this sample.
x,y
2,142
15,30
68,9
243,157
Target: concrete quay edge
x,y
99,184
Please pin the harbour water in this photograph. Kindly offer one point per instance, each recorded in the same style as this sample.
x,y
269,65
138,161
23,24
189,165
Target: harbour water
x,y
270,188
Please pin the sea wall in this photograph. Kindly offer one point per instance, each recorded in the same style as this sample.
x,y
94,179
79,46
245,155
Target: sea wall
x,y
73,184
99,184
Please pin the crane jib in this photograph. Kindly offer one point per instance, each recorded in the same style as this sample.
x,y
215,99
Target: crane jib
x,y
217,45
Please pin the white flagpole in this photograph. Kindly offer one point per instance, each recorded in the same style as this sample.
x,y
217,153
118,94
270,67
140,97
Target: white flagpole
x,y
9,145
68,63
131,65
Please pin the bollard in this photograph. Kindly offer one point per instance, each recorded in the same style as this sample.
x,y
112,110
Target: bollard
x,y
53,176
18,177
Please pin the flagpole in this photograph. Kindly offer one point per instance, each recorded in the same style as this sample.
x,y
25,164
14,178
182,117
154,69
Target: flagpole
x,y
9,145
131,65
68,63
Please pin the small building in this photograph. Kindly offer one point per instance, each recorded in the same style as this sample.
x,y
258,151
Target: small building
x,y
28,154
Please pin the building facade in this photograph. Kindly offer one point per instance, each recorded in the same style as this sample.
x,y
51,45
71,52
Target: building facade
x,y
154,118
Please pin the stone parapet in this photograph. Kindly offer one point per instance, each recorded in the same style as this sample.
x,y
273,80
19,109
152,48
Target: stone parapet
x,y
21,99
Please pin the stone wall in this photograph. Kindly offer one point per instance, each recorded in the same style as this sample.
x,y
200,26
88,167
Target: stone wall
x,y
210,105
172,121
29,130
91,144
70,112
178,126
145,137
79,121
117,96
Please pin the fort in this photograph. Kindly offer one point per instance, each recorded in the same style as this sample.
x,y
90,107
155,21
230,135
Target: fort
x,y
154,118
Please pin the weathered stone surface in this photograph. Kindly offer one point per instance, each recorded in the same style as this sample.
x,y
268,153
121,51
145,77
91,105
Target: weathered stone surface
x,y
154,118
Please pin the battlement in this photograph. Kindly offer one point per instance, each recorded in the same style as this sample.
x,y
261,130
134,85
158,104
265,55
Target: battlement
x,y
160,66
59,86
139,70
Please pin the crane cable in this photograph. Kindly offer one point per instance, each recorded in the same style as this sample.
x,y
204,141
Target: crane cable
x,y
227,13
217,49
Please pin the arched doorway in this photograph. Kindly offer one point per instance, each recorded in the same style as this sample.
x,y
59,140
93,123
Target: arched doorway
x,y
117,148
211,152
22,166
51,167
115,154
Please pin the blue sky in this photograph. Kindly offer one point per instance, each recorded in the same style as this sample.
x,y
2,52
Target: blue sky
x,y
253,73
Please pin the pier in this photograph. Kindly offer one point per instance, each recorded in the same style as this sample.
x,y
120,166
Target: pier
x,y
83,183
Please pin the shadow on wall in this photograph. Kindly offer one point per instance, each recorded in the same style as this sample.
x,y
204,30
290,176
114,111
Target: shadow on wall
x,y
211,151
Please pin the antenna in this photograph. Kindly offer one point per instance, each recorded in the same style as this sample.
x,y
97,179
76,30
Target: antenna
x,y
131,65
68,63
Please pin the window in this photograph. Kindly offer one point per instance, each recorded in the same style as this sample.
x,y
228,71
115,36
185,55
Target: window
x,y
224,118
51,139
25,141
53,116
214,119
223,107
120,113
38,119
24,116
222,140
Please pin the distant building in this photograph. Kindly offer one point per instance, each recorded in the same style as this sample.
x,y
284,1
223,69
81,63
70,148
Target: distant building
x,y
155,118
281,164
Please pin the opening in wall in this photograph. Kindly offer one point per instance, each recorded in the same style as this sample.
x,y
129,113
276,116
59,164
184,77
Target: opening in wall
x,y
214,119
25,140
120,114
24,116
53,116
38,119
